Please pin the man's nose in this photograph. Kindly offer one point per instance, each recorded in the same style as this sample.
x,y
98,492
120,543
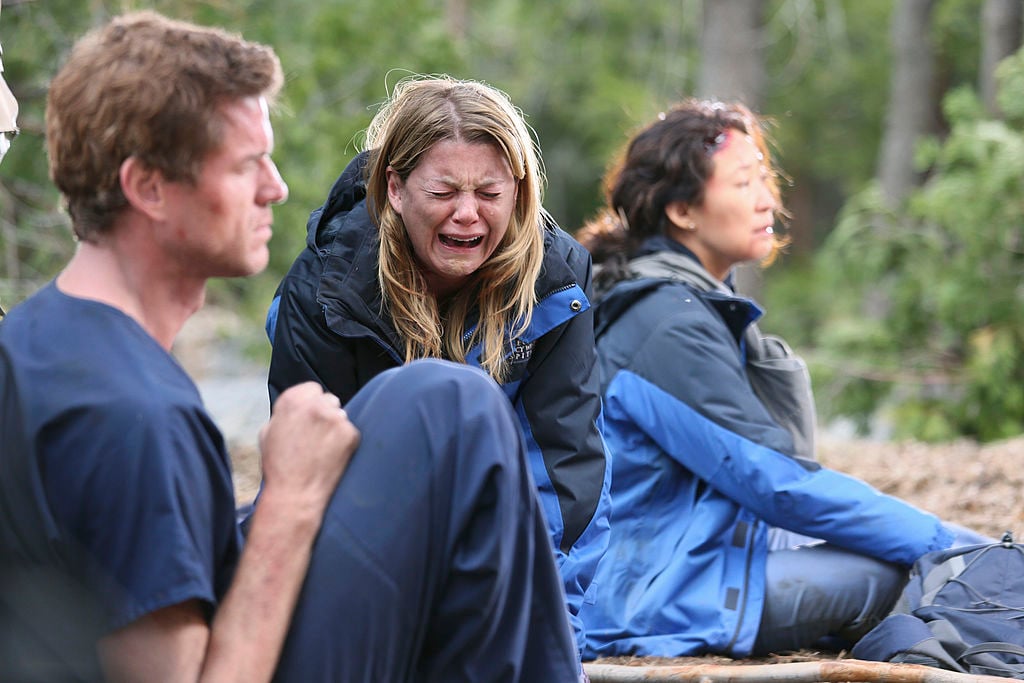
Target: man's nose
x,y
275,188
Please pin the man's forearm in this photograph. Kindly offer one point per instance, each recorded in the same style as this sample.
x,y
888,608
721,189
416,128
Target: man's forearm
x,y
249,629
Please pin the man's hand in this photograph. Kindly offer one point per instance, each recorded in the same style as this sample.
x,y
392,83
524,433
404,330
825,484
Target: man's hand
x,y
306,446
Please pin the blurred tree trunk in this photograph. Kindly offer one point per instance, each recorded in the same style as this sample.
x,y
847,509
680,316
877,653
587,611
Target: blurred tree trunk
x,y
9,237
1001,24
732,64
457,18
732,68
911,98
910,115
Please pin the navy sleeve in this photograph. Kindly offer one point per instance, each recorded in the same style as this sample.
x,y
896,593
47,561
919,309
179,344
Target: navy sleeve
x,y
561,408
146,490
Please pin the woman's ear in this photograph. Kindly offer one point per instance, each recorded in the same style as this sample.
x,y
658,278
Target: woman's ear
x,y
395,186
680,215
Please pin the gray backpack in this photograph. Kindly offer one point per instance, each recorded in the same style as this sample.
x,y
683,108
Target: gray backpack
x,y
961,610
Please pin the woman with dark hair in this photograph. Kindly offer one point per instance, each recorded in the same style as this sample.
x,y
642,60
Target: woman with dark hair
x,y
727,536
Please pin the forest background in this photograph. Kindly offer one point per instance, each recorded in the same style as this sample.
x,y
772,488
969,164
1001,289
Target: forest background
x,y
898,124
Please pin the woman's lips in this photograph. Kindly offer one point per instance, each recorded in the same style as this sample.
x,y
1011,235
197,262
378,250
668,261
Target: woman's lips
x,y
460,242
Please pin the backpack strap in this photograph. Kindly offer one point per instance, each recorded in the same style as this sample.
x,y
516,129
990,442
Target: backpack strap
x,y
935,579
1007,648
983,659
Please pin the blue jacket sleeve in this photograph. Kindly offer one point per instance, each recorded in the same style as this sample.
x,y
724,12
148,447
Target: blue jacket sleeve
x,y
689,393
560,408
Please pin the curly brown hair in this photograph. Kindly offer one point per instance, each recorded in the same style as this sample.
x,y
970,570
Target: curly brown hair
x,y
147,87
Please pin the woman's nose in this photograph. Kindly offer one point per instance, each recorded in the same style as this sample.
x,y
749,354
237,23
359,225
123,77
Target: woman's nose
x,y
466,208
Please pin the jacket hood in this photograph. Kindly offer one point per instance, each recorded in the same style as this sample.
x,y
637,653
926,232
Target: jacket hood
x,y
621,298
675,266
348,190
658,263
656,269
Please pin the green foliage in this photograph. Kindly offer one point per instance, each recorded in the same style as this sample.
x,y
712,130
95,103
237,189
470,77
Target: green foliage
x,y
938,308
956,41
832,65
793,299
562,64
337,72
919,306
1010,77
585,74
42,240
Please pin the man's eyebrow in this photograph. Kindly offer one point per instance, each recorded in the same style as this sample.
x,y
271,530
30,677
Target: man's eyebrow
x,y
257,156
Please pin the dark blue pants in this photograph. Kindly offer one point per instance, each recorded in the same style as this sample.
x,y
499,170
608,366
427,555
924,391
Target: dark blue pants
x,y
818,594
821,591
433,562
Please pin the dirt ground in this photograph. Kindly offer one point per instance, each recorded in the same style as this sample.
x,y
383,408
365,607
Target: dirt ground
x,y
979,486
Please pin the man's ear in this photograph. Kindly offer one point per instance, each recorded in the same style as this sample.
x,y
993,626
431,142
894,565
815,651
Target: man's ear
x,y
144,187
680,215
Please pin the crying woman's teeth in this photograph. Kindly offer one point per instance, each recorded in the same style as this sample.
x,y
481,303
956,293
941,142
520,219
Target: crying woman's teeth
x,y
458,242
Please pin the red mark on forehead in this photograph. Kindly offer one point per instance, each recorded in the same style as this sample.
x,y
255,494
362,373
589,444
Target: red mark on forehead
x,y
731,134
720,142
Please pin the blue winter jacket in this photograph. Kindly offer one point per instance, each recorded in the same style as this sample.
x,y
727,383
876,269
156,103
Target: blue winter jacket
x,y
701,471
326,325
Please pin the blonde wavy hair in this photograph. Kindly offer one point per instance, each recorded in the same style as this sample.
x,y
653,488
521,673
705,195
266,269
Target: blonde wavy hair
x,y
421,112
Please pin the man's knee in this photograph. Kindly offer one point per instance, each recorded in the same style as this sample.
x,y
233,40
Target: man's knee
x,y
433,392
430,378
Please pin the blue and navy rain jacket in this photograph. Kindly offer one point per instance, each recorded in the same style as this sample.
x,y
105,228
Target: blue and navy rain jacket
x,y
325,324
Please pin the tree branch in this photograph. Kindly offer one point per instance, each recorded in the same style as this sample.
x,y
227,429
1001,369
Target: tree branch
x,y
829,671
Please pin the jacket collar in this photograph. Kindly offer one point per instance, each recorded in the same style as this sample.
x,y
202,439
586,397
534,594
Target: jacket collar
x,y
655,268
663,245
